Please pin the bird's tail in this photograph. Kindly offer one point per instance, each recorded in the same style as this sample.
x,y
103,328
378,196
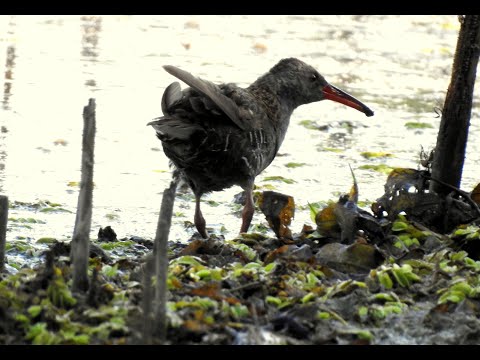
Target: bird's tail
x,y
170,128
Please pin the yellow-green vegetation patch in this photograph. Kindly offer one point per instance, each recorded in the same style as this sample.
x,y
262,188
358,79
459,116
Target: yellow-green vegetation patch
x,y
59,293
116,244
342,288
26,220
381,168
110,271
469,232
361,334
54,209
247,250
46,240
323,315
403,275
267,186
18,245
213,203
279,178
418,125
259,228
330,149
406,240
309,124
293,165
458,290
375,155
112,216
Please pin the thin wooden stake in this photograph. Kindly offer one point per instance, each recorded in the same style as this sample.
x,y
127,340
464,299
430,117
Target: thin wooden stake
x,y
3,229
161,258
81,233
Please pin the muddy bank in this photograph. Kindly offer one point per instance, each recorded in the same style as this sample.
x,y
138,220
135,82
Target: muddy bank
x,y
255,289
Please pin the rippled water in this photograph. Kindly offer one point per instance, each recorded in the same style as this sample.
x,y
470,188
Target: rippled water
x,y
398,65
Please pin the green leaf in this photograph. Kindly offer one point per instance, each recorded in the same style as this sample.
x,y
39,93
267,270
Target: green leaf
x,y
239,311
463,287
36,330
323,315
362,311
307,298
459,256
314,209
399,226
404,275
312,280
21,318
365,335
270,267
385,279
80,339
34,310
384,297
273,300
451,296
378,313
110,271
187,260
247,251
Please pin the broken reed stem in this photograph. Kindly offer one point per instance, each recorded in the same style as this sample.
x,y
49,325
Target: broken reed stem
x,y
161,258
147,301
81,233
3,229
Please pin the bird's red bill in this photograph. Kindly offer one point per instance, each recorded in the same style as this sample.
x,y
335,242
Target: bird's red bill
x,y
333,93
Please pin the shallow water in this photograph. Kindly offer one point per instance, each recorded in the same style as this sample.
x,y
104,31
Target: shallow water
x,y
398,65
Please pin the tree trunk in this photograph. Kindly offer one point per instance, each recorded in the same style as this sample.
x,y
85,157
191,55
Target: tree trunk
x,y
453,133
83,221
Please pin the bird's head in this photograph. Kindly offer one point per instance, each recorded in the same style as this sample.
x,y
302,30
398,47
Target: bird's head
x,y
300,83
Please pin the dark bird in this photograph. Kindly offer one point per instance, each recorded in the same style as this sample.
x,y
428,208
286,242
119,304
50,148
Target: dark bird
x,y
218,136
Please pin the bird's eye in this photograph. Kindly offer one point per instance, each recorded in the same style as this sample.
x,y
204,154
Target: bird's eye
x,y
313,78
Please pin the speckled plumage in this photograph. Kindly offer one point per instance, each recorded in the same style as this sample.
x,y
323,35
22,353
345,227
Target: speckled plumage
x,y
224,135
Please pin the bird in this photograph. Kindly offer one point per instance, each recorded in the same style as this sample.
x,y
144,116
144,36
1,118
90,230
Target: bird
x,y
218,136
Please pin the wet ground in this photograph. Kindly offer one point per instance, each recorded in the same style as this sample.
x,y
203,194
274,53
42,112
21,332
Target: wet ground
x,y
256,290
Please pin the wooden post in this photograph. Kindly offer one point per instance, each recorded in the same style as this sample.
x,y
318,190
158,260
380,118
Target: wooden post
x,y
3,229
452,136
161,258
81,234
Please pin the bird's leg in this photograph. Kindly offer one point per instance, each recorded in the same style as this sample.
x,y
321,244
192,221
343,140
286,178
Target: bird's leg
x,y
248,209
199,220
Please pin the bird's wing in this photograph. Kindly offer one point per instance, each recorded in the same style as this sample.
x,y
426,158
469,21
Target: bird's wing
x,y
171,95
210,90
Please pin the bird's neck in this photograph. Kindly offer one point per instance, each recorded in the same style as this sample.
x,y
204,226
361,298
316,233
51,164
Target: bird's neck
x,y
280,88
278,108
